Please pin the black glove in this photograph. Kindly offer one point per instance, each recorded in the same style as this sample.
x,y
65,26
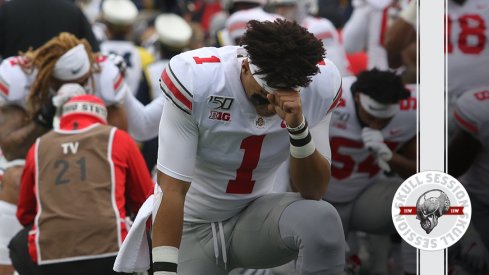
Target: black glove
x,y
45,115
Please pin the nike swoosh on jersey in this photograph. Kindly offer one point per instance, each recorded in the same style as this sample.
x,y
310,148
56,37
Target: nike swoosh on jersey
x,y
377,109
75,71
394,132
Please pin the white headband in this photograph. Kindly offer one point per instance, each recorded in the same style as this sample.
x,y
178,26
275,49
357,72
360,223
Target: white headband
x,y
376,108
73,64
260,78
85,107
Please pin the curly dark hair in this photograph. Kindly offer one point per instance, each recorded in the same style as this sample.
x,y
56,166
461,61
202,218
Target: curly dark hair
x,y
286,53
383,86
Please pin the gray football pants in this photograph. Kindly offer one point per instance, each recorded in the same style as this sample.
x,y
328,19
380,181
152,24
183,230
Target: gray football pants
x,y
268,233
370,212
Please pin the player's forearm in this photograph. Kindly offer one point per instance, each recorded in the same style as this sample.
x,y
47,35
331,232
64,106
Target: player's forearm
x,y
310,175
398,37
144,120
168,224
403,166
355,31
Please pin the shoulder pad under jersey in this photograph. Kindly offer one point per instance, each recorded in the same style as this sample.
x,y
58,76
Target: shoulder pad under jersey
x,y
14,82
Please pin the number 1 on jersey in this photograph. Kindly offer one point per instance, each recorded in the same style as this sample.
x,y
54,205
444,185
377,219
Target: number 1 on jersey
x,y
243,183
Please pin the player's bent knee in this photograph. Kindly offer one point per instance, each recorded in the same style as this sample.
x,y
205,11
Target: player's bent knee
x,y
317,222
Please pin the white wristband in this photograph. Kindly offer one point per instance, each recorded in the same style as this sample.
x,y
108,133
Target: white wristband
x,y
165,260
164,273
303,151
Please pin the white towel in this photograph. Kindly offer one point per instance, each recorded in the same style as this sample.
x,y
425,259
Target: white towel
x,y
134,253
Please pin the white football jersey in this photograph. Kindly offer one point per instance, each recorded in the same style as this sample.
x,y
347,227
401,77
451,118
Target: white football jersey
x,y
129,52
238,150
325,31
366,29
3,163
468,46
472,115
15,83
353,167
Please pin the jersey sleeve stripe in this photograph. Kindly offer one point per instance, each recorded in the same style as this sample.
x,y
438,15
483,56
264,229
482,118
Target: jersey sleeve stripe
x,y
179,85
177,103
118,82
3,87
175,94
465,123
324,35
336,99
237,26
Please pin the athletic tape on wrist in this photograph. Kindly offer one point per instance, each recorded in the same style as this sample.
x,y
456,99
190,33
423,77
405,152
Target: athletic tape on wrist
x,y
165,260
303,151
298,129
301,135
302,145
164,273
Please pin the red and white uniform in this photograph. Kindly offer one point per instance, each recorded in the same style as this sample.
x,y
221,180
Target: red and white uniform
x,y
468,48
353,167
472,115
130,53
324,30
366,29
236,24
128,180
15,83
214,138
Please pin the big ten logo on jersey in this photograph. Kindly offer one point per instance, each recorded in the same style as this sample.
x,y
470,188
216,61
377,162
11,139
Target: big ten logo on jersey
x,y
220,103
221,116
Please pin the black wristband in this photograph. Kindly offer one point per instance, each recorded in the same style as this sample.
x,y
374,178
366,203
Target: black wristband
x,y
164,266
301,142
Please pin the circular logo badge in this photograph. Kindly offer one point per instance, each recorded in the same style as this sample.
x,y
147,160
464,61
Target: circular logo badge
x,y
431,210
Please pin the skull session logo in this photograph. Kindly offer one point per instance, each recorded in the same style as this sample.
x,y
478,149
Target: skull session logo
x,y
428,210
431,210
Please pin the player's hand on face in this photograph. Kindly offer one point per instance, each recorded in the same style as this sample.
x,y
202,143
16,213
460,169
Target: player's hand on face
x,y
288,105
